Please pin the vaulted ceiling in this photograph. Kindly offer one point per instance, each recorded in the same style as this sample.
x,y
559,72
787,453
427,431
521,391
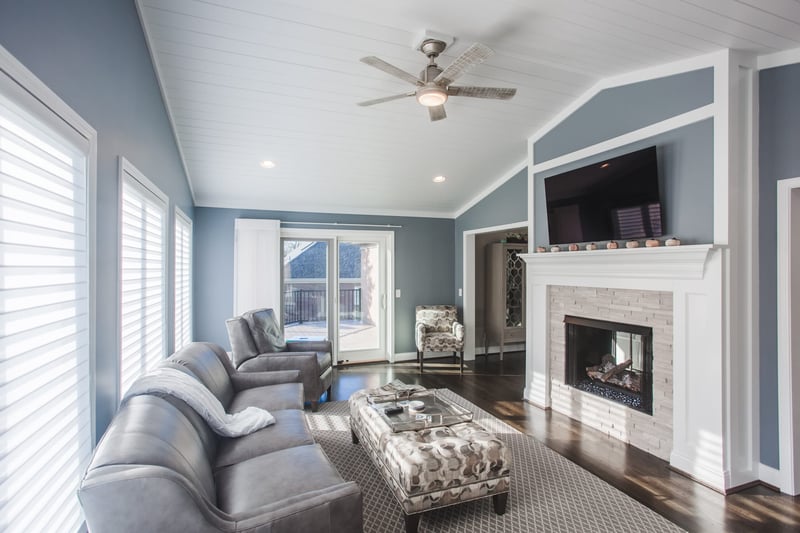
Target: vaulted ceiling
x,y
252,80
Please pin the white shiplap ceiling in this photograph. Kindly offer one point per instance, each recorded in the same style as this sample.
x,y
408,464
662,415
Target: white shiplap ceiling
x,y
250,80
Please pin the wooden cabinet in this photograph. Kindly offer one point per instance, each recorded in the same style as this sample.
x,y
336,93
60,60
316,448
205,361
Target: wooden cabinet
x,y
504,321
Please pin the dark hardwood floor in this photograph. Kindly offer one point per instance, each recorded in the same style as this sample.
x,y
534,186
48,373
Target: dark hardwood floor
x,y
497,386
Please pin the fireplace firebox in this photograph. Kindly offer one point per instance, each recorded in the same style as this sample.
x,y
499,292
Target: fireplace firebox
x,y
611,360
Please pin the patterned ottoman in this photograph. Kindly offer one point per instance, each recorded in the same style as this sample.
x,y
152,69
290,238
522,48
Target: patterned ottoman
x,y
432,467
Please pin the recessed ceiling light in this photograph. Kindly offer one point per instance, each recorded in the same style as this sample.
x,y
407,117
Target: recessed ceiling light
x,y
267,164
439,179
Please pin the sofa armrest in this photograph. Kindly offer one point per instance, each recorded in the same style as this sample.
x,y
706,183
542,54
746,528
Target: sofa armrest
x,y
305,362
309,346
249,380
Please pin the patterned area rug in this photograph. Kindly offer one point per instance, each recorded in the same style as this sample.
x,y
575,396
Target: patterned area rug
x,y
548,492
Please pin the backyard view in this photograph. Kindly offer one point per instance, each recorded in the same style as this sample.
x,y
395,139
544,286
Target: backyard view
x,y
305,293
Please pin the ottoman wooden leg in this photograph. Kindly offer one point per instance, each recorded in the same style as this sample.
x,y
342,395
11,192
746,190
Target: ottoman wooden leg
x,y
499,502
354,436
412,522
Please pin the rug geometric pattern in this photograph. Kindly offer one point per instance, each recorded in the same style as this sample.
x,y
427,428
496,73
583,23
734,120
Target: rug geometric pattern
x,y
548,492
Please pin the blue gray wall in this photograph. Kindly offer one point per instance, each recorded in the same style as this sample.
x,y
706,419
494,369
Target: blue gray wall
x,y
685,155
423,265
618,110
505,205
779,158
93,55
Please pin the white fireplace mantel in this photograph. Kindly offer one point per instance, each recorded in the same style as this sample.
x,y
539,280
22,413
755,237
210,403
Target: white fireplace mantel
x,y
696,277
663,262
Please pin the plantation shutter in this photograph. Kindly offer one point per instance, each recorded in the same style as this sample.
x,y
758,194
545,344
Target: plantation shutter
x,y
183,279
45,313
143,275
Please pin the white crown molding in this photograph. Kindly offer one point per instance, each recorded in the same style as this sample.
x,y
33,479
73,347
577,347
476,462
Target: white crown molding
x,y
779,59
327,210
663,262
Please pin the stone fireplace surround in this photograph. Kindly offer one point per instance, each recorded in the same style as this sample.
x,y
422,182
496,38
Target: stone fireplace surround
x,y
652,434
697,433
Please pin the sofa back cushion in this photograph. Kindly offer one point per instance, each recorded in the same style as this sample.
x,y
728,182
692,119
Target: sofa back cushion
x,y
243,347
148,430
210,364
436,318
266,330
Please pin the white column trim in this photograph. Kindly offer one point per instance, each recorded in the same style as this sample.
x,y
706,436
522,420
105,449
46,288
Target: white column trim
x,y
787,380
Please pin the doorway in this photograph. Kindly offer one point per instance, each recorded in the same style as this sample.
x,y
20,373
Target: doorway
x,y
474,274
335,286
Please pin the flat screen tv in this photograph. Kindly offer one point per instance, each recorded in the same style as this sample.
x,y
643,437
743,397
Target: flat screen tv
x,y
613,199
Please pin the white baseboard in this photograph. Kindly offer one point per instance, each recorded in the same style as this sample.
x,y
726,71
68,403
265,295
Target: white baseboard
x,y
405,356
769,475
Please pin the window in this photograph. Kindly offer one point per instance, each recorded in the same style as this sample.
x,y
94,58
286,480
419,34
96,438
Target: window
x,y
46,277
143,275
183,279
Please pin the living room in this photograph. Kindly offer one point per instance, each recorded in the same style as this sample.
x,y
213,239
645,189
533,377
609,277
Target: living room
x,y
726,124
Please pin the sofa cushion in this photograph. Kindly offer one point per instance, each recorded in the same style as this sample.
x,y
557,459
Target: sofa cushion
x,y
272,477
290,429
270,397
266,330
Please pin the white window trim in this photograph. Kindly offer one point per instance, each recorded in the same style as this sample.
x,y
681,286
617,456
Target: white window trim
x,y
179,218
29,83
140,180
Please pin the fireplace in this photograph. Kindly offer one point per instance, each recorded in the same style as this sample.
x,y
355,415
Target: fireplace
x,y
611,360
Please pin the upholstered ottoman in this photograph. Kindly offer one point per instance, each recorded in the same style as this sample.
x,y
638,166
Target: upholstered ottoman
x,y
435,466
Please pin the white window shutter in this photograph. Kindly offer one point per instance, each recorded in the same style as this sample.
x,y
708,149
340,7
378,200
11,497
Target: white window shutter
x,y
45,313
143,259
183,280
257,265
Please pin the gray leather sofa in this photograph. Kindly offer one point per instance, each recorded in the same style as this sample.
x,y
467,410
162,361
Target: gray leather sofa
x,y
257,344
159,467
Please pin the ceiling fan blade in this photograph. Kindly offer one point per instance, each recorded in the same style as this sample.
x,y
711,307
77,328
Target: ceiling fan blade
x,y
437,113
385,99
497,93
474,55
380,64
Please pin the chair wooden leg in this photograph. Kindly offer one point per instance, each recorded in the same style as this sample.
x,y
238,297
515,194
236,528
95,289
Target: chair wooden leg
x,y
330,391
462,361
454,356
314,406
420,360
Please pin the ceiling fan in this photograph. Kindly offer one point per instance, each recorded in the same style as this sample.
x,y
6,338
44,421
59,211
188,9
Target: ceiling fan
x,y
433,86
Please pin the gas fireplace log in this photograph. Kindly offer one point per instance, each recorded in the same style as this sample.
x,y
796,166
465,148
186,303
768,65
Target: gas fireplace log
x,y
616,370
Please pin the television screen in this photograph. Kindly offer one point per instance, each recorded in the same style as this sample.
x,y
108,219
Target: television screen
x,y
613,199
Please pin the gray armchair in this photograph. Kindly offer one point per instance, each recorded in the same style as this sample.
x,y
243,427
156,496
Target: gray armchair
x,y
257,345
437,330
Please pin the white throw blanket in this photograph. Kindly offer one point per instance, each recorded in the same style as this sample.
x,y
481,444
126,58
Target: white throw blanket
x,y
184,387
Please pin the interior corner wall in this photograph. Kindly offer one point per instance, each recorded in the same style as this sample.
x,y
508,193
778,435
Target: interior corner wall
x,y
93,55
423,265
505,205
686,154
779,158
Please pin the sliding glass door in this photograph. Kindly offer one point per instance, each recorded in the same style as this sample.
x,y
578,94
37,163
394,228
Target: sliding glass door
x,y
335,286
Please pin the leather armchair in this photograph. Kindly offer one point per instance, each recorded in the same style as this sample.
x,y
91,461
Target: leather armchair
x,y
437,330
257,345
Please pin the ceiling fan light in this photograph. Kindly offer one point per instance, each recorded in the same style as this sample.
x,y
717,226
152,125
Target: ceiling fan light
x,y
431,96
